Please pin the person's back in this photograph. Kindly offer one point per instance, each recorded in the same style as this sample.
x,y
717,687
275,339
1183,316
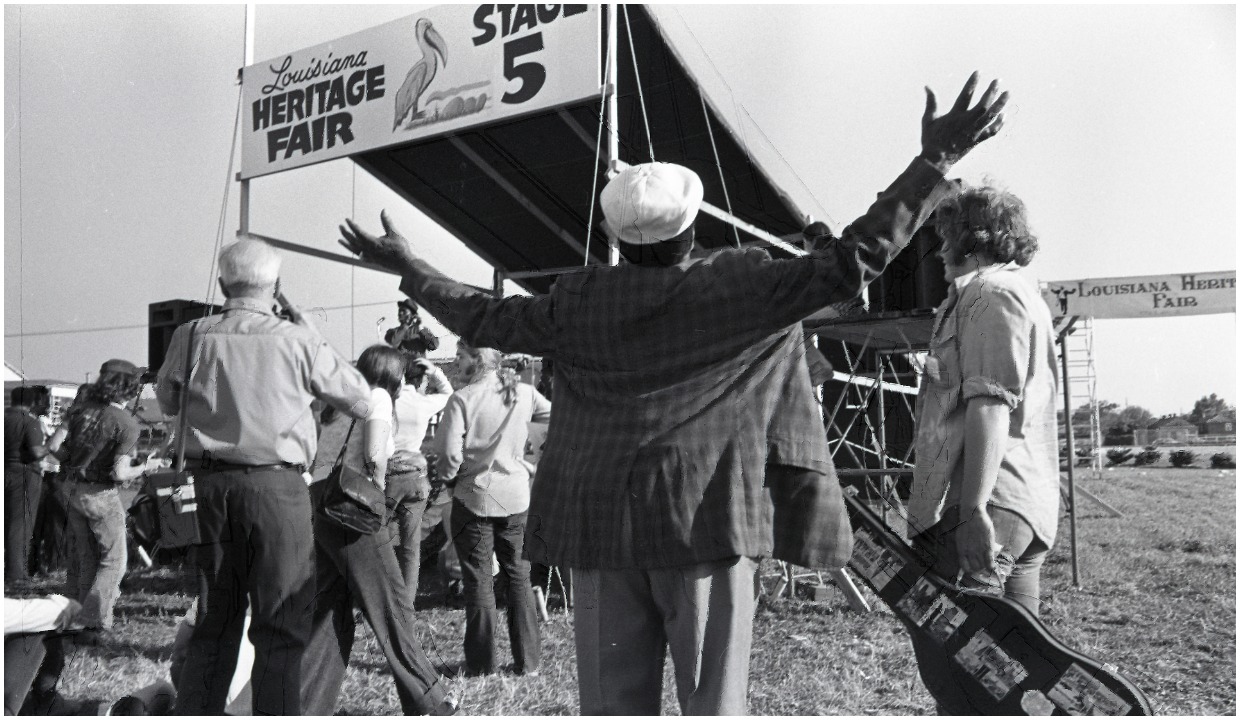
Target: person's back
x,y
491,475
21,435
97,432
250,436
253,379
696,387
415,407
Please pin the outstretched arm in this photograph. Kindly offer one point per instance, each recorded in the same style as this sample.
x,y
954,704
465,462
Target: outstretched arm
x,y
513,324
789,290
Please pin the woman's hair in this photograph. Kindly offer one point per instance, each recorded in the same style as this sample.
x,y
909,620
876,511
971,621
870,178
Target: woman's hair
x,y
488,359
114,387
986,220
383,366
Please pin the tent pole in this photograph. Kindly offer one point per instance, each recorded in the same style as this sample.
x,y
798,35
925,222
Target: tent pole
x,y
613,111
1067,420
244,209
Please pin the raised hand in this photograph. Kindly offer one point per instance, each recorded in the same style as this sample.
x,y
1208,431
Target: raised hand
x,y
949,137
390,250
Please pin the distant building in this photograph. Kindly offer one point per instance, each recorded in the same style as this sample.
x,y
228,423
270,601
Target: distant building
x,y
1171,429
1222,424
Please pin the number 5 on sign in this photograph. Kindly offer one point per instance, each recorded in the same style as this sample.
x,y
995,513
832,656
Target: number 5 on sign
x,y
531,75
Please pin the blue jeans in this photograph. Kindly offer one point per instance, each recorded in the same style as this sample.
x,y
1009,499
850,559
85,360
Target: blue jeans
x,y
406,500
1017,576
98,554
475,536
353,568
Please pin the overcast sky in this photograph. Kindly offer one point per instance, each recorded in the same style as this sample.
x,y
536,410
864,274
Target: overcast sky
x,y
1121,138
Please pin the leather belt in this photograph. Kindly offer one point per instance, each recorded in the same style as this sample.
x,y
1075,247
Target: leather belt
x,y
210,465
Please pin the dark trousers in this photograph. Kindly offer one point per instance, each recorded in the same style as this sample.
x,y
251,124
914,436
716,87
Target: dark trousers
x,y
257,551
406,500
49,547
475,538
1017,576
23,484
356,568
32,666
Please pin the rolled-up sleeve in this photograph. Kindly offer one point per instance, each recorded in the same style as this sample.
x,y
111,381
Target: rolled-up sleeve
x,y
994,347
169,381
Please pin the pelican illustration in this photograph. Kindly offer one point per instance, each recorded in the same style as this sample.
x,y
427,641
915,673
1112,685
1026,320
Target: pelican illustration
x,y
422,72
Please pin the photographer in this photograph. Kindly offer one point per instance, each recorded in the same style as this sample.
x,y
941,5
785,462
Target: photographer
x,y
410,335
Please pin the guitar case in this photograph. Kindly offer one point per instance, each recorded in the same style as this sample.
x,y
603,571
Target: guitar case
x,y
1007,661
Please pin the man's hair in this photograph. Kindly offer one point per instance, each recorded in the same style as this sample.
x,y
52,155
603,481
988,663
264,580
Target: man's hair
x,y
29,395
249,264
114,387
986,220
661,254
383,366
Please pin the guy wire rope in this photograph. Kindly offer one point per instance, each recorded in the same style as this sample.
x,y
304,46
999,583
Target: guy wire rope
x,y
598,148
212,286
744,142
736,234
641,98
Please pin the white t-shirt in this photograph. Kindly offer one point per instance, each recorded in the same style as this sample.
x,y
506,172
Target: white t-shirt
x,y
380,409
413,415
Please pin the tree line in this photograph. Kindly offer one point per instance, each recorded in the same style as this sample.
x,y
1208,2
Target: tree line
x,y
1118,424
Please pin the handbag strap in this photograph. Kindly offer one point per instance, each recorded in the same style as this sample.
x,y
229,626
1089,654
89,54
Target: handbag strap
x,y
183,420
344,446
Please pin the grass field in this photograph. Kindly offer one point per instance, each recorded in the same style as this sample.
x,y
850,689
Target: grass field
x,y
1157,599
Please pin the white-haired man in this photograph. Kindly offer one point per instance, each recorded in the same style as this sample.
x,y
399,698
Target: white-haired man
x,y
685,444
251,436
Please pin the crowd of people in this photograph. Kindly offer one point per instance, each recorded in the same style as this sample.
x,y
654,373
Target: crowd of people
x,y
684,446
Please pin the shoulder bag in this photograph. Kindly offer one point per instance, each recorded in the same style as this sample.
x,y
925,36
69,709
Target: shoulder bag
x,y
351,499
171,491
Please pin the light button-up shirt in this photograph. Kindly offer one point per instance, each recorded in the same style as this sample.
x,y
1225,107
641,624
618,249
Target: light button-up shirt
x,y
482,445
252,379
992,338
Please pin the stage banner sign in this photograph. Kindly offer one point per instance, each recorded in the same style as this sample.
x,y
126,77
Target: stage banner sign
x,y
439,71
1139,297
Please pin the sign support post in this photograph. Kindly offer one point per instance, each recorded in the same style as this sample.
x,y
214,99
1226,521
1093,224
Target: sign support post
x,y
1067,421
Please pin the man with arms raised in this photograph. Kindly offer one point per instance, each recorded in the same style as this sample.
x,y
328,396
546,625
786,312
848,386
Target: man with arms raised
x,y
251,436
683,412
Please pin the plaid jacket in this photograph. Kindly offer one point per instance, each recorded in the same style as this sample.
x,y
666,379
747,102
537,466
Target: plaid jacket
x,y
667,387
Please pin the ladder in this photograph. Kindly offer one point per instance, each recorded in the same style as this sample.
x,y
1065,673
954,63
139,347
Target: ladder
x,y
1079,345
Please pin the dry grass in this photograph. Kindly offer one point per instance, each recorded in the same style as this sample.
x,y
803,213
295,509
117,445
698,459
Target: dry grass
x,y
1158,599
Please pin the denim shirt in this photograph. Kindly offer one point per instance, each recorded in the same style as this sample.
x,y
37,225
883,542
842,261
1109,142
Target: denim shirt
x,y
992,338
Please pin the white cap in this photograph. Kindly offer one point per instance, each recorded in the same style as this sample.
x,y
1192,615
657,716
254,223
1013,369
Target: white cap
x,y
650,203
